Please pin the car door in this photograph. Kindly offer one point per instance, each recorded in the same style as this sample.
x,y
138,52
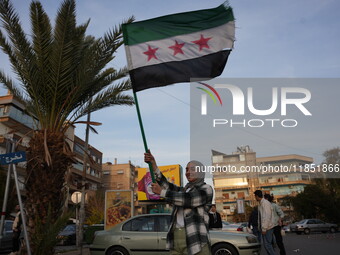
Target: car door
x,y
322,226
163,228
139,235
311,224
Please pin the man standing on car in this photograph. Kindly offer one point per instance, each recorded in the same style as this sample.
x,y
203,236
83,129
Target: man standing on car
x,y
265,221
189,228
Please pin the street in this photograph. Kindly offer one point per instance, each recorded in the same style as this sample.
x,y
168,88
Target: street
x,y
313,244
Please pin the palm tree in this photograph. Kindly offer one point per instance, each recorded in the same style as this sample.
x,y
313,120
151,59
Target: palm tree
x,y
58,72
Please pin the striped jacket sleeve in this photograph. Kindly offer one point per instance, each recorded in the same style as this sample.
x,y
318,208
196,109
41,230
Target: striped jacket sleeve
x,y
187,199
163,182
194,198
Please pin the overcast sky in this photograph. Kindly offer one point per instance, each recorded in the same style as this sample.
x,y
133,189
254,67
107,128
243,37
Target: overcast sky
x,y
283,39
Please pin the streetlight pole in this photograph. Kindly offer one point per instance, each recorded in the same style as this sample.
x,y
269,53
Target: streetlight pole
x,y
82,200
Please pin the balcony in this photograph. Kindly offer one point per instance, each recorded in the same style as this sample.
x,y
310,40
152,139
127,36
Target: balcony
x,y
284,183
16,119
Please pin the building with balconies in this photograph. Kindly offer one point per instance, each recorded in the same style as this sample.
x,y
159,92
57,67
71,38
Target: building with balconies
x,y
240,184
16,124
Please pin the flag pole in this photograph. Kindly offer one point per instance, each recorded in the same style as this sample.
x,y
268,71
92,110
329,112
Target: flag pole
x,y
143,135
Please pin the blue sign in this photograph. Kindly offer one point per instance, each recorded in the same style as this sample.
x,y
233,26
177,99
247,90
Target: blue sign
x,y
12,158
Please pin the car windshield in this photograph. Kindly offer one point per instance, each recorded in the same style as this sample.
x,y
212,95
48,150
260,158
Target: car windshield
x,y
70,228
301,221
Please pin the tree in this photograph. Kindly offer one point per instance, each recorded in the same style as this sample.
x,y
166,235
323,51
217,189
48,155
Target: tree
x,y
95,208
61,75
322,198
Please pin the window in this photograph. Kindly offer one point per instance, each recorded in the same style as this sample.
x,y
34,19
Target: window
x,y
8,225
127,226
120,172
164,223
141,224
311,222
106,172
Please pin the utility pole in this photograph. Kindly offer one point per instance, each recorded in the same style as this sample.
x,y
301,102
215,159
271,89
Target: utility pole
x,y
82,201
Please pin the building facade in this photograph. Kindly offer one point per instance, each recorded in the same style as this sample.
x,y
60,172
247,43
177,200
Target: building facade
x,y
119,176
16,124
247,173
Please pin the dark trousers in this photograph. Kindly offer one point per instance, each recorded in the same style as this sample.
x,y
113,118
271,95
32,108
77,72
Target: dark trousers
x,y
279,241
16,241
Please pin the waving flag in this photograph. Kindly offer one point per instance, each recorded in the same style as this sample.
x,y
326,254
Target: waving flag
x,y
178,47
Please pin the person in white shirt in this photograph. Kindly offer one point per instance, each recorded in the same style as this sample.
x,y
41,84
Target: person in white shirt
x,y
266,225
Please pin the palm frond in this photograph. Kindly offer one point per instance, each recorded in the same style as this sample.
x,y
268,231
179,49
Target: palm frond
x,y
20,45
8,83
110,97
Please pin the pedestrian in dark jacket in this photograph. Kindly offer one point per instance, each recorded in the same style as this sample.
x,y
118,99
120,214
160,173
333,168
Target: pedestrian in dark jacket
x,y
215,220
253,223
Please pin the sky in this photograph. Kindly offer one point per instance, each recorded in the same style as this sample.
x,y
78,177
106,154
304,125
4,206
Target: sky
x,y
277,39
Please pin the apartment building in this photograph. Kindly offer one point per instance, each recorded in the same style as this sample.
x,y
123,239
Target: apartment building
x,y
248,173
16,124
119,176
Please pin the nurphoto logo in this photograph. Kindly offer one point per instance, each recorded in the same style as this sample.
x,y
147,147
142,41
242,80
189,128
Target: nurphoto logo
x,y
243,102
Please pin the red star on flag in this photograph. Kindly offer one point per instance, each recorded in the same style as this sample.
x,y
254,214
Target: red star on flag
x,y
202,42
177,47
151,53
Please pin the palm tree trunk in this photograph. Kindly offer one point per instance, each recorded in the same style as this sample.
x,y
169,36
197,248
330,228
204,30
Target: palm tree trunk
x,y
45,184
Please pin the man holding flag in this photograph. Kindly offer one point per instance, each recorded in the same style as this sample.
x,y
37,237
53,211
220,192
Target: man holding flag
x,y
189,228
171,49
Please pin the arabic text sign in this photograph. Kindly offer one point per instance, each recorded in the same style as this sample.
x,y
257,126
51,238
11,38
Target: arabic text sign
x,y
12,158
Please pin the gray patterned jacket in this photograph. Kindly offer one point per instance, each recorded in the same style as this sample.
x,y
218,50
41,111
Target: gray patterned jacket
x,y
195,203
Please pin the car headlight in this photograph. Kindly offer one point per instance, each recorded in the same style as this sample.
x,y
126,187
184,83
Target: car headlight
x,y
251,239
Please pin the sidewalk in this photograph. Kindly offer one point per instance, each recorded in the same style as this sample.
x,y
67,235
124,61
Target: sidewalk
x,y
86,251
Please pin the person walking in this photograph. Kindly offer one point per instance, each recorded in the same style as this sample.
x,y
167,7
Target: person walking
x,y
253,223
16,227
277,221
266,225
189,229
215,220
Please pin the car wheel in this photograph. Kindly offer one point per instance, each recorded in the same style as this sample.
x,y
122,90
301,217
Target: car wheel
x,y
117,251
224,249
306,231
332,230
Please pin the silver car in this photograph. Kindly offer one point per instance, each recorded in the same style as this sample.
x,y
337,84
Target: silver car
x,y
312,225
146,234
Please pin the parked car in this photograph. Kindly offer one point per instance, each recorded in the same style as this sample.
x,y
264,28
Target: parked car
x,y
242,226
68,235
312,225
286,228
145,234
7,234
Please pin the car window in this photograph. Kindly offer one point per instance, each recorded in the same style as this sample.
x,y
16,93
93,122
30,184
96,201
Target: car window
x,y
70,228
142,224
164,223
127,226
311,222
319,222
8,225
